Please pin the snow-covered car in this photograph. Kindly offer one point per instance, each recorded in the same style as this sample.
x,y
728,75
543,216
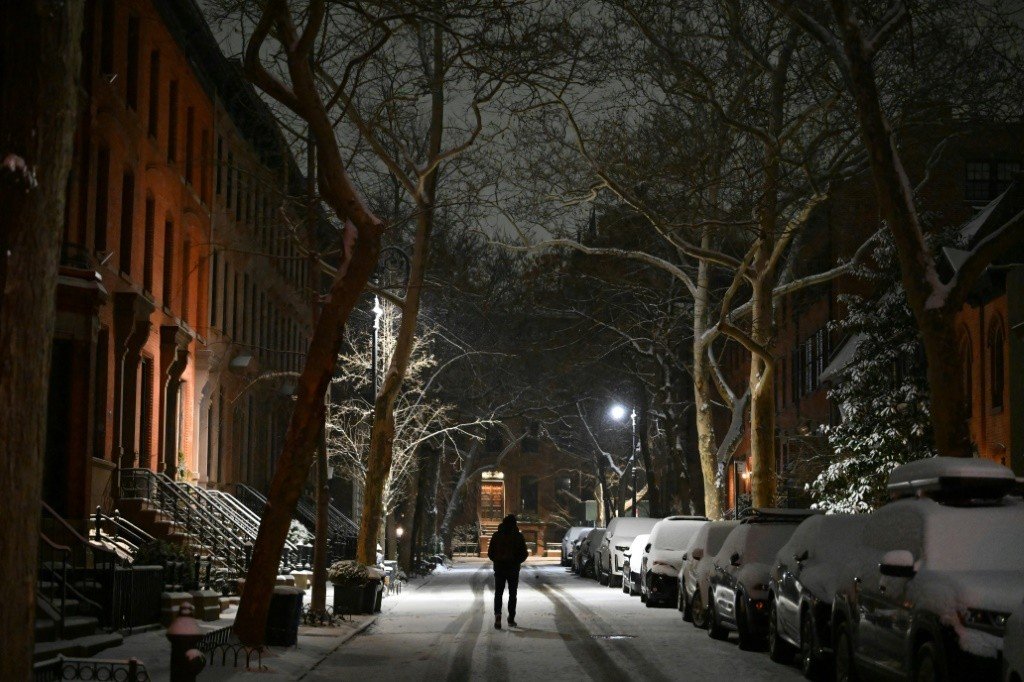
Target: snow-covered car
x,y
1013,647
588,552
696,571
631,568
568,539
804,579
621,531
738,586
663,557
939,572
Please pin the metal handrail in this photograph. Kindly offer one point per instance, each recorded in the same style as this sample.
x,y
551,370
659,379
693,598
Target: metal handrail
x,y
125,534
202,530
229,532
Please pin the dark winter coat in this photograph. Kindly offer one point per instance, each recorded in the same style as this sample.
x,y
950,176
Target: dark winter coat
x,y
508,547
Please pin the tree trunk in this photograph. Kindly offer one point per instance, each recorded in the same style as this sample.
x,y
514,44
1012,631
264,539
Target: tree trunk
x,y
763,479
383,433
653,489
39,67
300,443
318,598
706,441
935,319
458,495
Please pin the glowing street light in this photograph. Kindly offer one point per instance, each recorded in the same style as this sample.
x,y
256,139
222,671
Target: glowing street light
x,y
617,412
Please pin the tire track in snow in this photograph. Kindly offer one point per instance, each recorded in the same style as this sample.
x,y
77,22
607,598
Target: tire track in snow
x,y
588,652
467,627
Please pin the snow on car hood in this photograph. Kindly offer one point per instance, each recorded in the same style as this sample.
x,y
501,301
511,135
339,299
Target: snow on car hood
x,y
948,594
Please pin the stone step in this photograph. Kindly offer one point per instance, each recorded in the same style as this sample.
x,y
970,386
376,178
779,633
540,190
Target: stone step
x,y
78,647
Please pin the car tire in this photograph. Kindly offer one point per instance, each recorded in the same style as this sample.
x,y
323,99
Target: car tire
x,y
811,664
715,629
602,578
685,606
928,664
627,585
698,612
748,642
779,650
846,665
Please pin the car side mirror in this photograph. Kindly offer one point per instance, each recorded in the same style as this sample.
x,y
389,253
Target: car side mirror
x,y
735,559
898,563
647,547
801,557
698,554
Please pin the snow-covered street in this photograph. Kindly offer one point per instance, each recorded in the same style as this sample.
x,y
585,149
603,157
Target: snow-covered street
x,y
569,629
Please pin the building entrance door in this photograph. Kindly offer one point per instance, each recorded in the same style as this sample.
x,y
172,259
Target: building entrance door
x,y
492,501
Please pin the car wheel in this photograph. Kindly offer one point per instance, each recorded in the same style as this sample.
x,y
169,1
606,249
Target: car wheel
x,y
927,666
685,606
627,585
846,668
602,578
748,642
779,650
698,612
811,664
715,629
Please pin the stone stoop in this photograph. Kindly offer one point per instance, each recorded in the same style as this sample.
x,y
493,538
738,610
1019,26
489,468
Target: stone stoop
x,y
170,605
206,604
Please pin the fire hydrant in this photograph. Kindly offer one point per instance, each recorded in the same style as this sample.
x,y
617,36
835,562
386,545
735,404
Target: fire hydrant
x,y
184,634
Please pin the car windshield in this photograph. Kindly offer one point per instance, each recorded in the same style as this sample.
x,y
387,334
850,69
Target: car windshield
x,y
717,534
966,538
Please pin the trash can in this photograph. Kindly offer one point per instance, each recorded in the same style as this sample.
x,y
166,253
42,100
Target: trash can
x,y
284,616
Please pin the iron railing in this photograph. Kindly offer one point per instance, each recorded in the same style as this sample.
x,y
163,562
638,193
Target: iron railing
x,y
341,541
117,532
61,668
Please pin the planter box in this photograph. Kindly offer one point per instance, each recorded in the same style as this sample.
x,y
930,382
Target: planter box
x,y
349,599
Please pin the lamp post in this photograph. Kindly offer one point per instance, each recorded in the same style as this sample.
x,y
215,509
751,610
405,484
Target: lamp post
x,y
618,413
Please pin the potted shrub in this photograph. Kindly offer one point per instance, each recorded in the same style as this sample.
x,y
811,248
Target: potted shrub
x,y
355,586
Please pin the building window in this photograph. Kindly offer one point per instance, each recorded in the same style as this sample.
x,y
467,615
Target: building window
x,y
967,373
528,494
154,92
214,288
219,172
132,71
997,364
204,163
147,258
146,412
127,221
172,122
190,146
186,280
102,198
107,38
168,262
230,179
986,180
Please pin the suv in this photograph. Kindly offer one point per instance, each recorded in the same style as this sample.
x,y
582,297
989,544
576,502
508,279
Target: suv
x,y
803,581
738,594
663,557
586,555
696,570
621,531
935,576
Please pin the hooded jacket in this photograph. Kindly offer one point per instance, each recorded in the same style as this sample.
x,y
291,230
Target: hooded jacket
x,y
508,546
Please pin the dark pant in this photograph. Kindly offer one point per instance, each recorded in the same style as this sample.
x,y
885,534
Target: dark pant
x,y
501,577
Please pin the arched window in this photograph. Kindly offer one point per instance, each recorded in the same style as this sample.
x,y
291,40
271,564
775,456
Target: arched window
x,y
996,364
967,371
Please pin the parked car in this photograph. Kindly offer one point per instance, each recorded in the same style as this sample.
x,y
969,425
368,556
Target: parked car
x,y
621,531
631,569
569,538
938,573
588,552
1013,647
803,581
696,571
738,594
663,557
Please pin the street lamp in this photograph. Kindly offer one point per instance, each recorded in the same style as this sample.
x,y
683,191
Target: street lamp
x,y
618,413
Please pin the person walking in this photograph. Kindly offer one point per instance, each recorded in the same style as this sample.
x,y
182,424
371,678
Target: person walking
x,y
508,551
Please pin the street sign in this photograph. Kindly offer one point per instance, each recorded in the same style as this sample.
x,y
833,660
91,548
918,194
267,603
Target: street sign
x,y
591,508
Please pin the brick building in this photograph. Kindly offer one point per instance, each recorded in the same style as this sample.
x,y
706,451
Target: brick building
x,y
180,283
974,169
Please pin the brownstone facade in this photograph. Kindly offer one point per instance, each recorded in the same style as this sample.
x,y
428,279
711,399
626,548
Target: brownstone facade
x,y
180,289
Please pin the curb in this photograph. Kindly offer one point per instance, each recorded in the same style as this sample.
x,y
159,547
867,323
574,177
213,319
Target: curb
x,y
337,646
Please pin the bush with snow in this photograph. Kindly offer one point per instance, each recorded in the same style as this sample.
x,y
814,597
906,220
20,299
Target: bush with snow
x,y
882,396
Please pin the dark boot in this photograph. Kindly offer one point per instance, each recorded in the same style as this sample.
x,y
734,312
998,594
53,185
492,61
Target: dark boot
x,y
497,621
511,620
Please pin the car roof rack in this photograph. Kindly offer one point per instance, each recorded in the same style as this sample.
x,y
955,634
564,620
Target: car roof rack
x,y
953,479
776,515
679,517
